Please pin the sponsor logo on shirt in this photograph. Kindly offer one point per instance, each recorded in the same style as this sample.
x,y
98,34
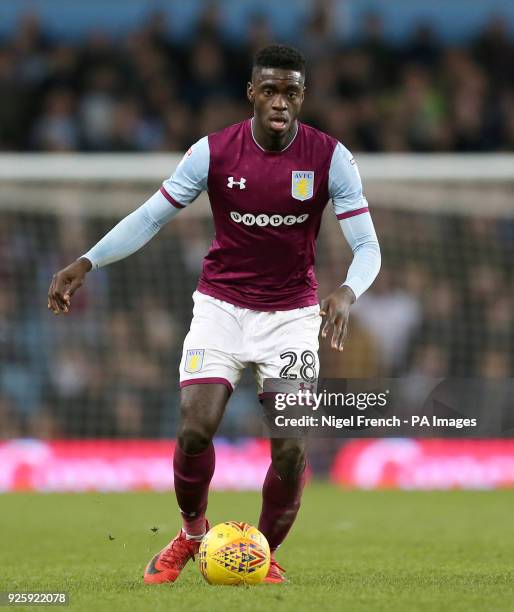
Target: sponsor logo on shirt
x,y
302,184
263,220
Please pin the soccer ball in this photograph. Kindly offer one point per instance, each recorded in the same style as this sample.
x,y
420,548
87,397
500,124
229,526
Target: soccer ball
x,y
234,553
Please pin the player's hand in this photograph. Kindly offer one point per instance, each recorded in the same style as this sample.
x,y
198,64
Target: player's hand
x,y
65,283
336,309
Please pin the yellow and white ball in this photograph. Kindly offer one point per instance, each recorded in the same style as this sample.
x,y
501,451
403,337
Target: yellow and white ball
x,y
234,553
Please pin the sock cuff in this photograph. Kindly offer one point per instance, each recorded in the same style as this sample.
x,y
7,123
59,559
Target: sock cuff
x,y
194,537
207,451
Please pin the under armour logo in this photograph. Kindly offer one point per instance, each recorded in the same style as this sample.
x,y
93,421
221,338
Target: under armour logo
x,y
232,182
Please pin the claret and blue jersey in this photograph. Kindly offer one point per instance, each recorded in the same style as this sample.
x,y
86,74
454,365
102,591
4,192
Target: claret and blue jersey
x,y
267,208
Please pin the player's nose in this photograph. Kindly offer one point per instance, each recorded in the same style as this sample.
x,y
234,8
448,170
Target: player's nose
x,y
279,103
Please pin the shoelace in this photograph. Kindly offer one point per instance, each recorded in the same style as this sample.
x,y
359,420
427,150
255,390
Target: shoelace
x,y
179,552
274,563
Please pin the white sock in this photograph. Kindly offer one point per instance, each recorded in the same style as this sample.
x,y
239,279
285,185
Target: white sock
x,y
193,537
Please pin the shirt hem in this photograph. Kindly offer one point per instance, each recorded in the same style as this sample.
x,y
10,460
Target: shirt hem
x,y
311,300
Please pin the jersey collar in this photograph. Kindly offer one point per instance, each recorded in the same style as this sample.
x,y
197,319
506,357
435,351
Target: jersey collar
x,y
274,152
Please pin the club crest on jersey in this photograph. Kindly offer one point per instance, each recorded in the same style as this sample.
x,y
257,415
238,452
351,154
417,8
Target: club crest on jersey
x,y
302,184
194,360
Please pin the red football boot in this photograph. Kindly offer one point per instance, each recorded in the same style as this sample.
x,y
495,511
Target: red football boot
x,y
167,565
275,573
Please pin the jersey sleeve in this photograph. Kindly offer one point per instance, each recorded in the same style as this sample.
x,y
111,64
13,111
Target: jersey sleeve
x,y
345,185
132,232
190,176
360,235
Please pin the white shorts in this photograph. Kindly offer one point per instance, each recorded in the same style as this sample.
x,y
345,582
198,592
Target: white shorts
x,y
224,339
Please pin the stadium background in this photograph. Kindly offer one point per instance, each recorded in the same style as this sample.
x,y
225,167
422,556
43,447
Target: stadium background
x,y
391,82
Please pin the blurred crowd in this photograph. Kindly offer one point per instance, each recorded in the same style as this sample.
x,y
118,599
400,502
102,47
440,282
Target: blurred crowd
x,y
443,305
147,92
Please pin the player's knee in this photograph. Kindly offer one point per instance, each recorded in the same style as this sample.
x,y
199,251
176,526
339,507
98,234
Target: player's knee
x,y
289,461
196,429
194,439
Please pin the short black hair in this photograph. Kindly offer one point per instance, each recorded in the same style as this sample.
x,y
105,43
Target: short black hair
x,y
280,56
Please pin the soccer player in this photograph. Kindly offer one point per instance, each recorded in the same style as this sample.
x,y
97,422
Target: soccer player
x,y
268,180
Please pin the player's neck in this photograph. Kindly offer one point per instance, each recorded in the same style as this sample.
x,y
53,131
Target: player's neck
x,y
267,142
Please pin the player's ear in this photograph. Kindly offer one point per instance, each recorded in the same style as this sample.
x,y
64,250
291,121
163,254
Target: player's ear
x,y
250,92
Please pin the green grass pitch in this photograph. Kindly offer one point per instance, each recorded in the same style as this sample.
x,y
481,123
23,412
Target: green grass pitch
x,y
349,551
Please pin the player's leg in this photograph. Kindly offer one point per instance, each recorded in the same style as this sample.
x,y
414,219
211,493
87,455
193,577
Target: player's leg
x,y
282,489
201,409
209,371
291,351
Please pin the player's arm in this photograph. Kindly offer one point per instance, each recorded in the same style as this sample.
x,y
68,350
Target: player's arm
x,y
135,230
352,211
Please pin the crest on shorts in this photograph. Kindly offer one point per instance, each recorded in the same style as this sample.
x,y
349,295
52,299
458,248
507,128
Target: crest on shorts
x,y
302,184
194,360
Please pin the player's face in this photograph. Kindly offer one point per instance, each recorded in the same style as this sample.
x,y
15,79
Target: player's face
x,y
277,96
